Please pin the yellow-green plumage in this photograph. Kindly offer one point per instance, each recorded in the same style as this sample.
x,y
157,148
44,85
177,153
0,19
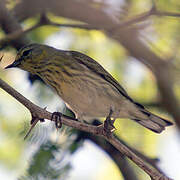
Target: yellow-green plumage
x,y
84,85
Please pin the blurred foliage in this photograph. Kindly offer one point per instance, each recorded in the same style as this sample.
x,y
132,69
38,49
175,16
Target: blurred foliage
x,y
161,35
44,164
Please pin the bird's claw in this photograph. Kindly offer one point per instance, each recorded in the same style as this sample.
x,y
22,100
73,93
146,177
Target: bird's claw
x,y
108,127
109,123
57,117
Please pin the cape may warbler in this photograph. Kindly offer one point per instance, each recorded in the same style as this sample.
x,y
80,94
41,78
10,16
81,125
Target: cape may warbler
x,y
84,85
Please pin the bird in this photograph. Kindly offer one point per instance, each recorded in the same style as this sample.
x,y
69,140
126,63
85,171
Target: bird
x,y
84,85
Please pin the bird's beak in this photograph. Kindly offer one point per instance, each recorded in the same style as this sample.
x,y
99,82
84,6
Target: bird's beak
x,y
14,64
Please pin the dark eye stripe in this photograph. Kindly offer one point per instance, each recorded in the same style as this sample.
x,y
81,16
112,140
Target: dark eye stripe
x,y
25,53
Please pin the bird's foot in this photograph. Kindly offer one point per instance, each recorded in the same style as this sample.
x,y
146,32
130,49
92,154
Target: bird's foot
x,y
109,123
57,116
108,127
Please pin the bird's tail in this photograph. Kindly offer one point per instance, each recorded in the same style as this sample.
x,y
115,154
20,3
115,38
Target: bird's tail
x,y
153,122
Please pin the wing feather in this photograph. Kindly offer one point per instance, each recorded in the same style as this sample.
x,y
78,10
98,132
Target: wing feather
x,y
99,70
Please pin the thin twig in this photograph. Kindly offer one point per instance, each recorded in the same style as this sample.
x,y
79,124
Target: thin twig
x,y
79,26
31,128
164,13
19,33
43,113
131,21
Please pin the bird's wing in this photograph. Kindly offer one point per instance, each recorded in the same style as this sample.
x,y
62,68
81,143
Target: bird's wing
x,y
98,69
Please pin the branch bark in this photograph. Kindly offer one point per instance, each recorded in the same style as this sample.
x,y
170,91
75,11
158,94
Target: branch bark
x,y
40,113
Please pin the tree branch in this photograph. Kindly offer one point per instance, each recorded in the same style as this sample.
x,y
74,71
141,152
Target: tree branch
x,y
26,9
40,113
9,25
45,21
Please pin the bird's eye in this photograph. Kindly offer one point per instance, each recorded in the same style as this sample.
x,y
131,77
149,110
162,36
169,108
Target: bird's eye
x,y
25,53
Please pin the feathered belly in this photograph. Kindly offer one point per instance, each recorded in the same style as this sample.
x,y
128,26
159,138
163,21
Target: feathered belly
x,y
90,99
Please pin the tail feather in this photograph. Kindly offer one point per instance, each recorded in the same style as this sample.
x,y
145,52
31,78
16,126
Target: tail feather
x,y
154,123
160,121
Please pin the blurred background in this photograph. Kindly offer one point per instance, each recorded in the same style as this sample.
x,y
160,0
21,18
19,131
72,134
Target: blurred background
x,y
138,42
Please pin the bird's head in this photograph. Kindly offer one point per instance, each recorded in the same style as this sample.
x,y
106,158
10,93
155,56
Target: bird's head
x,y
30,57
